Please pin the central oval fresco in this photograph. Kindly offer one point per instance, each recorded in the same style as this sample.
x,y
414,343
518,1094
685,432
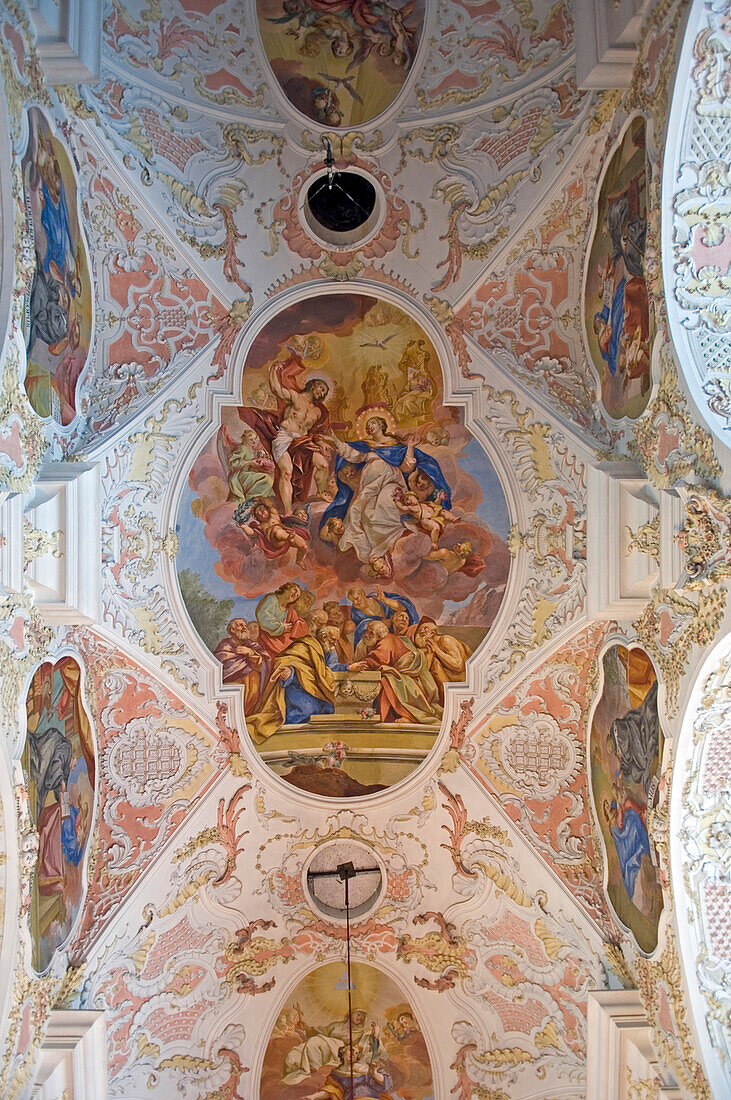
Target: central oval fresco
x,y
343,544
340,62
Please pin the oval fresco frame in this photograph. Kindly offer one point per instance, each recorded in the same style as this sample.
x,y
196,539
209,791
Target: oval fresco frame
x,y
87,275
619,641
54,658
456,395
655,341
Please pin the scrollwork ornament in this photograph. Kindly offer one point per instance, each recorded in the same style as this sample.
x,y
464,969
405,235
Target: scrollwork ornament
x,y
705,838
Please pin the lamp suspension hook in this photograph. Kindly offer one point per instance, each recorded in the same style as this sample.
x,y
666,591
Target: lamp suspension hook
x,y
329,161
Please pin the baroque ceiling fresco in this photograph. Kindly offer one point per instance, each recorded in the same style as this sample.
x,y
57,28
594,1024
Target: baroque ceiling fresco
x,y
409,547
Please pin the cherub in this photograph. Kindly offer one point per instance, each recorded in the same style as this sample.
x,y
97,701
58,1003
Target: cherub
x,y
454,559
431,517
275,536
380,567
332,530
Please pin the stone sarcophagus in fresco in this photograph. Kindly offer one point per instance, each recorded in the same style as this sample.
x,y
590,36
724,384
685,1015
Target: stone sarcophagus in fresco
x,y
343,544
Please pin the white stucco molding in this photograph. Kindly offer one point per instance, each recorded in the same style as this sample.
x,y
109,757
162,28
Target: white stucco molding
x,y
73,1057
696,209
61,540
607,34
700,860
68,39
620,1055
631,544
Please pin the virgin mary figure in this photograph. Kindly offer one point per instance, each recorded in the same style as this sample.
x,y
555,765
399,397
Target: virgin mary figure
x,y
368,474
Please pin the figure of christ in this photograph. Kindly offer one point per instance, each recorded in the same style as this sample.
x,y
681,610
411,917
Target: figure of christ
x,y
244,660
295,433
408,693
275,536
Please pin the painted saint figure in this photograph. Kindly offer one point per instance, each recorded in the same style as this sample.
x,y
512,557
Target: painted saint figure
x,y
366,504
295,434
408,692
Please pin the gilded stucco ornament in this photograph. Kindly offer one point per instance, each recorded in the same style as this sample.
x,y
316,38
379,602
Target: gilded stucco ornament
x,y
697,188
672,624
667,441
705,843
705,537
660,983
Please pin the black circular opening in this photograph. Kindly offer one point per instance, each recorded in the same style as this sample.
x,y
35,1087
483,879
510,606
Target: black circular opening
x,y
342,204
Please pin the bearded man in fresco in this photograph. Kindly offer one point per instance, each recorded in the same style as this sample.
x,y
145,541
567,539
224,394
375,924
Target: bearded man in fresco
x,y
408,693
295,433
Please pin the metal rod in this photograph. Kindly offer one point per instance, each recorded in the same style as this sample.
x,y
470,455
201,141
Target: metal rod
x,y
337,874
347,877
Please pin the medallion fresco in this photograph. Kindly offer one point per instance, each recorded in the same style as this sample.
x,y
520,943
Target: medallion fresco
x,y
342,544
626,751
59,762
308,1055
340,62
616,306
58,308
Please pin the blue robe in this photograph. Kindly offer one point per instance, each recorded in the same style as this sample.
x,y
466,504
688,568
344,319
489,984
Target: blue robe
x,y
69,840
59,242
361,618
299,704
616,320
364,1084
631,842
394,455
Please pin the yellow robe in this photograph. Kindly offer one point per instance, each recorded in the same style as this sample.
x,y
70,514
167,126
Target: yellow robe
x,y
306,657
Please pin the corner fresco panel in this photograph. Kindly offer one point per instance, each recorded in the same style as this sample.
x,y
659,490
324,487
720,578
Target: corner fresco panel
x,y
340,62
309,1050
343,545
617,311
58,310
59,762
626,750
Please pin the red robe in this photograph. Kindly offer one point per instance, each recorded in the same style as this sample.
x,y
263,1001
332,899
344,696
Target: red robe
x,y
273,645
267,424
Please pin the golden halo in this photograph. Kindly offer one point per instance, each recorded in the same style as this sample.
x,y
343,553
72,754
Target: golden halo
x,y
367,414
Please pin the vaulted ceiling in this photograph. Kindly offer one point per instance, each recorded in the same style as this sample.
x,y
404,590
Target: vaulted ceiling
x,y
504,900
